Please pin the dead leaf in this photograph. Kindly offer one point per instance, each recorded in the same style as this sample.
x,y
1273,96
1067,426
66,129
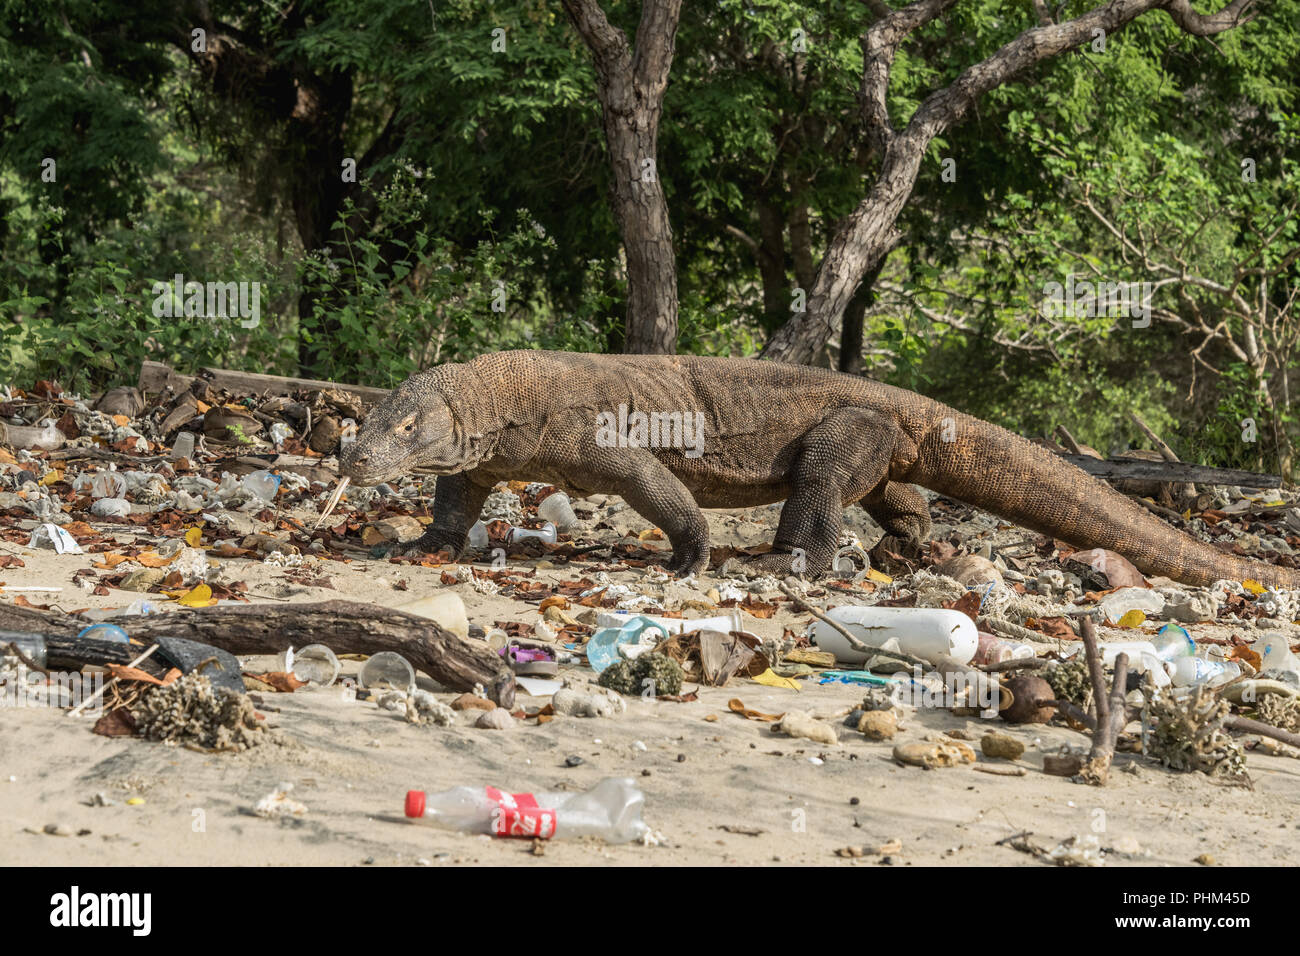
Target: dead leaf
x,y
1117,569
283,682
736,706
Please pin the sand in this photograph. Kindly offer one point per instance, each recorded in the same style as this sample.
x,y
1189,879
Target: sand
x,y
719,788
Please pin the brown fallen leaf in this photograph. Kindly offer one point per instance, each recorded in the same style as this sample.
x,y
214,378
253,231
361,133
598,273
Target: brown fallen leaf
x,y
1117,569
737,706
282,681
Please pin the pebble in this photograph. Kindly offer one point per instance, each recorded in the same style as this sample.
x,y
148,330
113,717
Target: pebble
x,y
796,723
58,829
497,719
573,760
878,724
1001,746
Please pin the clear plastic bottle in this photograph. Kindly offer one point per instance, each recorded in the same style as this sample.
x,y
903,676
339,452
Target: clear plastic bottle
x,y
610,810
31,645
1193,671
995,650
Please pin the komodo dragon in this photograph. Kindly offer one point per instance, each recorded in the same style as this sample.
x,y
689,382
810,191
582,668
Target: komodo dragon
x,y
816,439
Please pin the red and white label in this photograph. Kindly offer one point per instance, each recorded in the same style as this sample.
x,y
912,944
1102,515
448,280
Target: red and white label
x,y
518,815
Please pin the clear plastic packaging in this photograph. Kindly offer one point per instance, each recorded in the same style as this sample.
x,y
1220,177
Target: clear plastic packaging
x,y
611,811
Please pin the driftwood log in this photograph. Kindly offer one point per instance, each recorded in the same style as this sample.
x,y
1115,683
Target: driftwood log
x,y
345,627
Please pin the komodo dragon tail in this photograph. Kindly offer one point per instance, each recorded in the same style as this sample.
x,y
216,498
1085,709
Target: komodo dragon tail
x,y
990,467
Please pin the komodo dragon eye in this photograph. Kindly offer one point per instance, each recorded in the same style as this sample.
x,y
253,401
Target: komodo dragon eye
x,y
408,426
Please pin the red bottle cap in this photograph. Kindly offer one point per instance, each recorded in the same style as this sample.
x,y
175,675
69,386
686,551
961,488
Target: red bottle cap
x,y
415,803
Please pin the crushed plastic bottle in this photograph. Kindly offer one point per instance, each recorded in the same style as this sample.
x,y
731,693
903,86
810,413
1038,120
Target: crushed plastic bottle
x,y
547,534
31,645
611,810
1277,660
478,536
994,650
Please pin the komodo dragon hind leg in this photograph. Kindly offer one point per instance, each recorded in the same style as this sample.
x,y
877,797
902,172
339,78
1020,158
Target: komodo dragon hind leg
x,y
841,459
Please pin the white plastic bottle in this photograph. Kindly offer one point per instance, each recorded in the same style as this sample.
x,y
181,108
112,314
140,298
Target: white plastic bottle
x,y
611,810
924,632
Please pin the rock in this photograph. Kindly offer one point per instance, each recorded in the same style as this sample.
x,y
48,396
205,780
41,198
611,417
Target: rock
x,y
1062,765
568,702
143,579
1050,580
496,719
878,724
573,760
325,434
57,829
123,400
1001,746
1189,607
1249,543
933,754
970,569
1026,692
796,723
1205,859
468,701
400,528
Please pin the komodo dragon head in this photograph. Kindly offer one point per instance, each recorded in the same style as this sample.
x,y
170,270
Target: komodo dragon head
x,y
414,427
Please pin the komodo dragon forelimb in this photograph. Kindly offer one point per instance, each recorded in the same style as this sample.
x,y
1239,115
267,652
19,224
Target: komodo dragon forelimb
x,y
745,433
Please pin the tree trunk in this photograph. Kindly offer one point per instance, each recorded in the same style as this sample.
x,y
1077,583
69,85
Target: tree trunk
x,y
771,265
868,233
854,321
630,86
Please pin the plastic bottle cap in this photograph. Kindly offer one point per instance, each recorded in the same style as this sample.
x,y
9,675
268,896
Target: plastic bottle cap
x,y
415,803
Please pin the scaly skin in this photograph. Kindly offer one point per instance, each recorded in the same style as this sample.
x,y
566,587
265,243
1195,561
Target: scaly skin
x,y
816,439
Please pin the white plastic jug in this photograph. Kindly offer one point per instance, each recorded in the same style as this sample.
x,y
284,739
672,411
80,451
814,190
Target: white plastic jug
x,y
925,632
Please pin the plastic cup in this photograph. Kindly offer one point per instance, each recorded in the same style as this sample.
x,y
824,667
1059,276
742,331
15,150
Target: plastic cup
x,y
557,509
314,663
387,670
